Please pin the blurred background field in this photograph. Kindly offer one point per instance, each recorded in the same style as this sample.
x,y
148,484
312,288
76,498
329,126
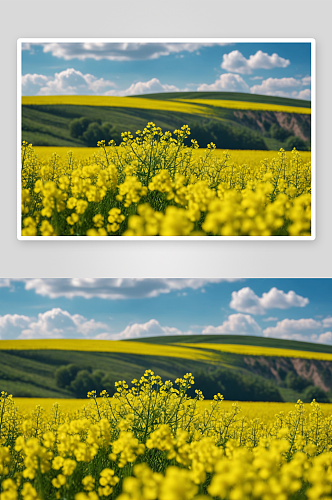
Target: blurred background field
x,y
263,410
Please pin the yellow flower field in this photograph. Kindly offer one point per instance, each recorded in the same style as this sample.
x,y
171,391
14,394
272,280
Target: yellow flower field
x,y
239,156
255,106
154,185
261,351
114,346
151,441
193,351
178,105
118,102
263,410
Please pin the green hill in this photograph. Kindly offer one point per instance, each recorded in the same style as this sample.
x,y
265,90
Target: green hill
x,y
240,340
235,96
48,123
32,368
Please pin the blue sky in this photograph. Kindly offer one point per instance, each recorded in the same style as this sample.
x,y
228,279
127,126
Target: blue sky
x,y
112,308
92,68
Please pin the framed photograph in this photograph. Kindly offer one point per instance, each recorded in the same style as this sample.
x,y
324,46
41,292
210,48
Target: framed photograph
x,y
173,138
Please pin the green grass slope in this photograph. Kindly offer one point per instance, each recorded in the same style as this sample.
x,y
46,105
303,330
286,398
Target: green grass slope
x,y
239,340
48,125
31,372
231,96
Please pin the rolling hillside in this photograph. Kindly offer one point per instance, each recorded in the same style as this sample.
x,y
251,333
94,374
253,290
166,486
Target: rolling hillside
x,y
274,369
46,119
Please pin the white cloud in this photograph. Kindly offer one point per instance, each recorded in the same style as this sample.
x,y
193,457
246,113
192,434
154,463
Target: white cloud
x,y
270,318
73,82
257,78
150,87
237,324
327,322
282,87
245,300
297,329
303,94
67,82
151,328
11,325
125,51
57,323
325,338
31,84
114,288
5,283
236,62
306,80
227,82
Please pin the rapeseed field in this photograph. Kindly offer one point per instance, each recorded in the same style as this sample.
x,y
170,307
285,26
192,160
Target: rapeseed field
x,y
150,441
155,185
117,102
254,106
191,106
250,350
114,346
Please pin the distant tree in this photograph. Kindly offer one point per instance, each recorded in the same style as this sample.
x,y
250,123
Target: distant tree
x,y
279,133
296,383
93,134
317,393
78,126
65,375
83,383
235,386
225,136
296,142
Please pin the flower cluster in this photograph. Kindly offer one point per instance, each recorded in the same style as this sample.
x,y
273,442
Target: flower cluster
x,y
158,184
151,441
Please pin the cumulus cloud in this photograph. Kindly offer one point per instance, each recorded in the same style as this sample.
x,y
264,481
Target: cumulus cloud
x,y
119,51
282,87
306,80
327,322
245,300
237,63
5,283
31,84
237,324
226,82
151,328
325,338
114,288
67,82
150,87
303,94
296,329
55,323
11,325
73,82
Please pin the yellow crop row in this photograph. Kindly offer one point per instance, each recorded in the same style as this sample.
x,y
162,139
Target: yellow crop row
x,y
178,105
254,106
113,346
263,410
262,351
239,156
116,102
